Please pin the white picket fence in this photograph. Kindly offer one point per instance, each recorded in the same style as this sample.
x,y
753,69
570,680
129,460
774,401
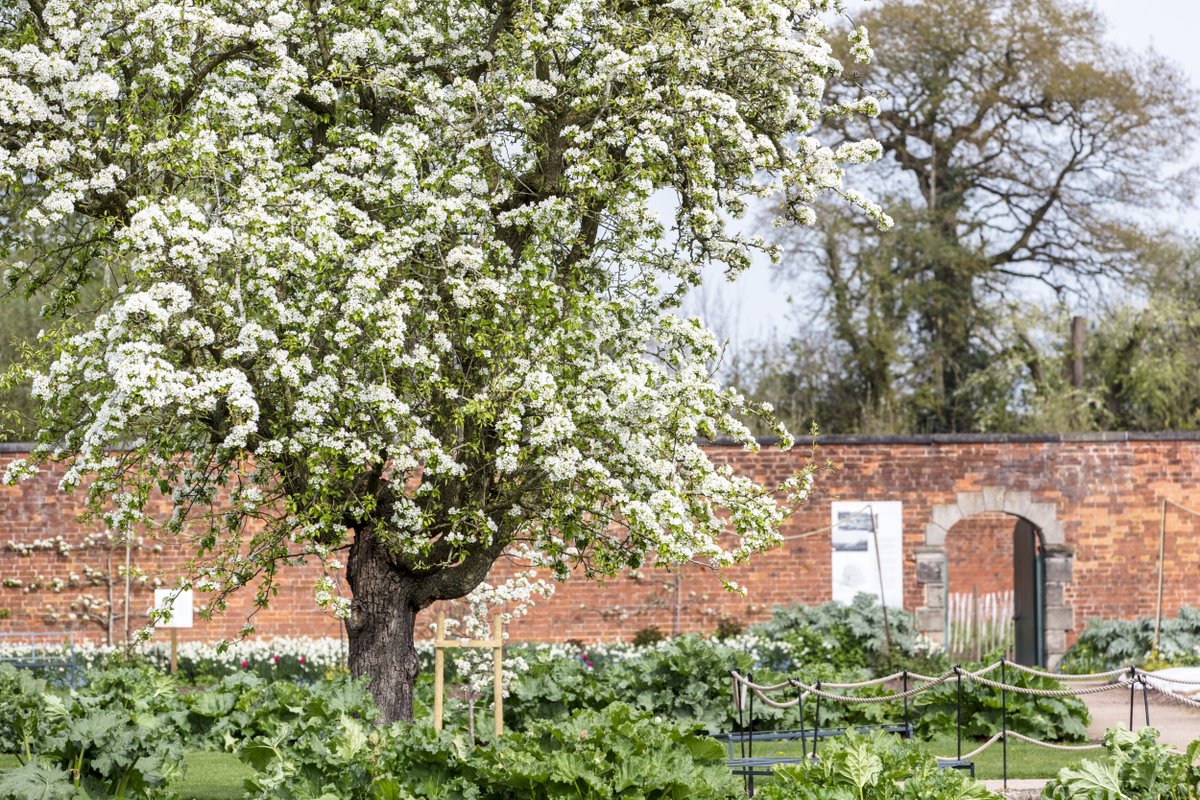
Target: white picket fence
x,y
979,623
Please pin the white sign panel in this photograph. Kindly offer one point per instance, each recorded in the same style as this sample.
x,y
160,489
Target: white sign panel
x,y
181,607
857,525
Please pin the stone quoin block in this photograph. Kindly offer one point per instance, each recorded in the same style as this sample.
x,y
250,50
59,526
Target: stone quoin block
x,y
930,568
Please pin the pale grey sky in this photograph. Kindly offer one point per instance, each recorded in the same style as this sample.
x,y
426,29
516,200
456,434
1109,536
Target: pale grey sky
x,y
760,305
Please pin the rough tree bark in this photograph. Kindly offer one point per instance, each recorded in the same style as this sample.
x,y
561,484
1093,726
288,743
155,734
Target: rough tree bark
x,y
383,615
387,595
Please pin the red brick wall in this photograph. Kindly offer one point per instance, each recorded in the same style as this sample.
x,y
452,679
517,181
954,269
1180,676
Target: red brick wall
x,y
1107,492
979,552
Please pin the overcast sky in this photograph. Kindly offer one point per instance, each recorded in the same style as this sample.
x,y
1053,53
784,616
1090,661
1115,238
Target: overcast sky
x,y
760,305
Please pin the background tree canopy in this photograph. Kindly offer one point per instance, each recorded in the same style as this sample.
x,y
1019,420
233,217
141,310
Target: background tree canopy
x,y
1024,160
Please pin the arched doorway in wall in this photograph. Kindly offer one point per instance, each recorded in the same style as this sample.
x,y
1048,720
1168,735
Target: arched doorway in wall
x,y
993,587
1028,539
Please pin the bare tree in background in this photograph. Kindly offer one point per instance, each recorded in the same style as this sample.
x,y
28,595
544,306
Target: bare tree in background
x,y
1021,150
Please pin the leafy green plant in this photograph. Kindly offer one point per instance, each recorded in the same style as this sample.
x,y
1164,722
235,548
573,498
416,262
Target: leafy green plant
x,y
1135,766
113,738
728,627
242,707
617,752
595,755
646,636
1112,643
872,767
1046,718
852,636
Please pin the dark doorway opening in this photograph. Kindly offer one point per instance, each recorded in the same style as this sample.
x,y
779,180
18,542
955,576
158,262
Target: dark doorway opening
x,y
1028,595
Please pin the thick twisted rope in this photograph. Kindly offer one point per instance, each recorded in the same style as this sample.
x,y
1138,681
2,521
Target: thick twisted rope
x,y
861,684
1069,748
760,690
1158,677
1066,678
1179,697
997,736
978,678
887,698
762,687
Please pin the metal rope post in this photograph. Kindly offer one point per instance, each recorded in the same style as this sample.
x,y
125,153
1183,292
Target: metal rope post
x,y
817,719
750,746
1132,683
958,672
738,698
908,731
800,703
1004,716
1145,697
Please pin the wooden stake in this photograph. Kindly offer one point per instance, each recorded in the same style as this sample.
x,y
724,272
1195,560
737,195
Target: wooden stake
x,y
1162,549
439,668
174,649
498,674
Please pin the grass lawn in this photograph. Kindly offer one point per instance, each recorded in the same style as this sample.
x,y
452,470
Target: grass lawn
x,y
1024,760
219,776
209,776
213,776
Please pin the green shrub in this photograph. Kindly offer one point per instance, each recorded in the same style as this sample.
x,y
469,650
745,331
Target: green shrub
x,y
242,707
853,637
1134,767
648,636
120,736
595,755
1114,643
1048,718
872,767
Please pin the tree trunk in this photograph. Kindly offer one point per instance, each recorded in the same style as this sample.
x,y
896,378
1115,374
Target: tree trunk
x,y
383,614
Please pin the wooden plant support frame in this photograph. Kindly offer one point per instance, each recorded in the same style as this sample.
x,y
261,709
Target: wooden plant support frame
x,y
441,644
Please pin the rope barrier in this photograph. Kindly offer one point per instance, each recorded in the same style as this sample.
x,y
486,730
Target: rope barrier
x,y
1128,678
1181,698
873,682
1067,678
996,737
888,698
1000,735
977,676
1070,748
1108,687
1156,676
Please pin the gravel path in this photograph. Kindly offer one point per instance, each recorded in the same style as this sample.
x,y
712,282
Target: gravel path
x,y
1177,724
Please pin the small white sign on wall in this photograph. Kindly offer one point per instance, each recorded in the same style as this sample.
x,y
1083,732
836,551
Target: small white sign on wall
x,y
181,607
857,526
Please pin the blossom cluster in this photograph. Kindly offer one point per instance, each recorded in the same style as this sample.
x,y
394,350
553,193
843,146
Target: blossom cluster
x,y
395,270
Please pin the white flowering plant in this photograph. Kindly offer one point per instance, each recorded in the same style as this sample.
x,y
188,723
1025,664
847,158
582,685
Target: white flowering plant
x,y
381,280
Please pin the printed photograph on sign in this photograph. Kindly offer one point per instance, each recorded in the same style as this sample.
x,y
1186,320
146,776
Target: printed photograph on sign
x,y
858,526
853,532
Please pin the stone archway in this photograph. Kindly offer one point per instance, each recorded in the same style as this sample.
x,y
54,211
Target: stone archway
x,y
1058,556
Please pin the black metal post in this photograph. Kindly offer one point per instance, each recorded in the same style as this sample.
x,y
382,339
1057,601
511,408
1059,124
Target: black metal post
x,y
800,700
817,720
958,672
1132,683
1004,716
750,746
737,699
908,732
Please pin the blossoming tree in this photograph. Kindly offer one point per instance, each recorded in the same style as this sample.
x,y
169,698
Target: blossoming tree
x,y
382,276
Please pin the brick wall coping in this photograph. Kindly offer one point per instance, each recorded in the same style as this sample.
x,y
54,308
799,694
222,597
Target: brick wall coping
x,y
922,438
982,438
